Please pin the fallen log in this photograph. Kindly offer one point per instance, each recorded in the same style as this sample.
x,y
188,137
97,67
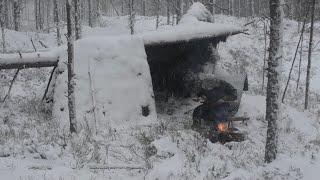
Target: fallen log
x,y
29,60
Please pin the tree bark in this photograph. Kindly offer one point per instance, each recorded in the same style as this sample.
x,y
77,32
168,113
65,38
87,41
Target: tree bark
x,y
71,80
309,55
273,86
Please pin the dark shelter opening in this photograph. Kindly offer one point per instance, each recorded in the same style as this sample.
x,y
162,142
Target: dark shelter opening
x,y
175,68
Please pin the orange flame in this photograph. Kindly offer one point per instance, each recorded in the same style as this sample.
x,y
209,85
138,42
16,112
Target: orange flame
x,y
221,127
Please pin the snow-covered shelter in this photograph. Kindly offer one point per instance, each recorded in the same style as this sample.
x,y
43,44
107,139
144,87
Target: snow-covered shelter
x,y
118,78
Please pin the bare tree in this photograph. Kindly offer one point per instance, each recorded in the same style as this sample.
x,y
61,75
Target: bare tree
x,y
310,54
70,64
273,86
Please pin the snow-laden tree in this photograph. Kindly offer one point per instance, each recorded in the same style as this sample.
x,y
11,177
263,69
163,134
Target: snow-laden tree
x,y
274,73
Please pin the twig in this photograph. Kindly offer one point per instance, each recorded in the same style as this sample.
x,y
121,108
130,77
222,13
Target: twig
x,y
316,45
50,79
92,91
294,59
8,93
300,60
114,7
221,8
43,45
20,54
265,53
34,47
249,23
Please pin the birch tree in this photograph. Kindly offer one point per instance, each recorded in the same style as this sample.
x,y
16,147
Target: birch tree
x,y
70,64
273,86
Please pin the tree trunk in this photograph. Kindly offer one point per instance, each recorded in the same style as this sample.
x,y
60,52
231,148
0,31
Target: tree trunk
x,y
143,7
77,20
178,10
309,55
2,23
40,15
168,12
16,15
48,13
131,15
90,13
273,86
57,21
239,6
158,13
212,8
6,14
252,8
71,80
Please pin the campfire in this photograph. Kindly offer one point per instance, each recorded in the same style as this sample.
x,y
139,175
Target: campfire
x,y
224,133
222,126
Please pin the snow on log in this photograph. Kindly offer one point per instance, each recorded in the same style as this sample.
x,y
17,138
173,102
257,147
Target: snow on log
x,y
29,60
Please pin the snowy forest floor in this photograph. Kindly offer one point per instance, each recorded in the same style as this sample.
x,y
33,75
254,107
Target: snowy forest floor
x,y
33,147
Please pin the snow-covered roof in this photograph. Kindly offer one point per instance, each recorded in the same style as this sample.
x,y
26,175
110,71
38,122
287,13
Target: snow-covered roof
x,y
196,24
190,31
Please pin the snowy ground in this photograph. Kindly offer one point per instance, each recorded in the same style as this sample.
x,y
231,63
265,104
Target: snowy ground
x,y
33,147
